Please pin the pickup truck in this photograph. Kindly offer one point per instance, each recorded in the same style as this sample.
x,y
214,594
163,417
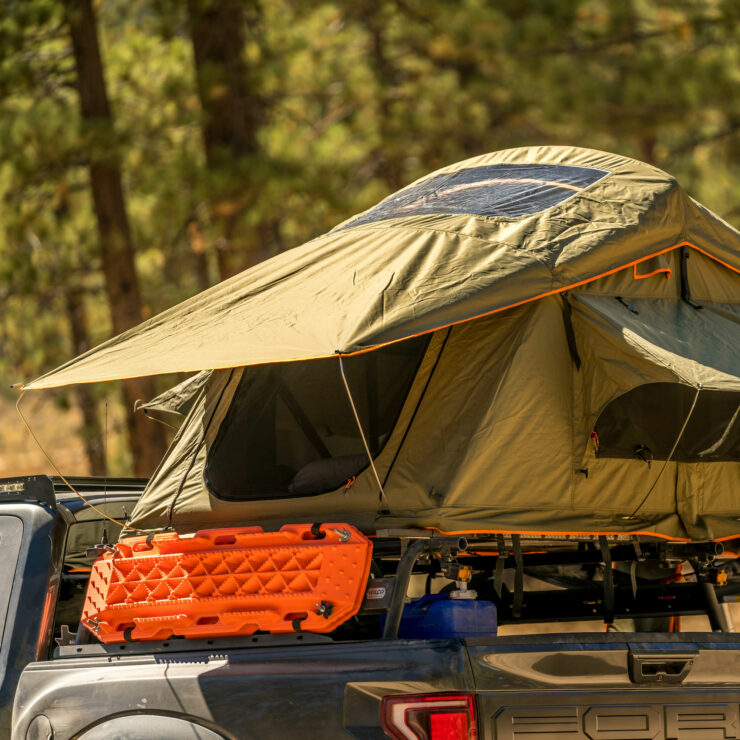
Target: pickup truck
x,y
363,681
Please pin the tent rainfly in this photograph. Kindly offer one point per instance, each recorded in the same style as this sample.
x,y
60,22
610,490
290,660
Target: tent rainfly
x,y
540,340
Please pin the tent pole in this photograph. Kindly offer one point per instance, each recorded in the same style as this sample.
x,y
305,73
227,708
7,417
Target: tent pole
x,y
359,427
670,455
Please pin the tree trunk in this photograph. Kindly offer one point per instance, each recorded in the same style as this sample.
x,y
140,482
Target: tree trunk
x,y
231,113
390,167
147,440
92,433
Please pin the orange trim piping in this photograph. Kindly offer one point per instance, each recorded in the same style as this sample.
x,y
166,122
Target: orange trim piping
x,y
436,328
728,537
665,270
556,291
711,256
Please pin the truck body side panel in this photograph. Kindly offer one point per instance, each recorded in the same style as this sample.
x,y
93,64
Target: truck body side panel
x,y
263,692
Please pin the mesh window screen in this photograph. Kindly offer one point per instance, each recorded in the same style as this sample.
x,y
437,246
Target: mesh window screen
x,y
645,422
506,190
290,430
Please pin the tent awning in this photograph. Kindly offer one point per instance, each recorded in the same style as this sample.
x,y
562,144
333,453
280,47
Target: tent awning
x,y
700,347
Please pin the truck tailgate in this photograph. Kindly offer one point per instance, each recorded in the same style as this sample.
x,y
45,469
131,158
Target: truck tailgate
x,y
608,687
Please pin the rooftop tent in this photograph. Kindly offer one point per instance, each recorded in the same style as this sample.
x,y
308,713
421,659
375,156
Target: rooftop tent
x,y
536,340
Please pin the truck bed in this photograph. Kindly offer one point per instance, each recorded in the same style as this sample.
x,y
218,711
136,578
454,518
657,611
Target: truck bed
x,y
613,686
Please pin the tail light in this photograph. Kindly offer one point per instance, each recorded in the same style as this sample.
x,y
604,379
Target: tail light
x,y
429,717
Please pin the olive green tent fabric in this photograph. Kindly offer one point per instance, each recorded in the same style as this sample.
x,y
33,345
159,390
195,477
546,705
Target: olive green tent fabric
x,y
179,399
500,440
665,339
424,263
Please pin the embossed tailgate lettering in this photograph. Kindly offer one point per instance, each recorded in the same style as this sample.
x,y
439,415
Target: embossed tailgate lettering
x,y
631,722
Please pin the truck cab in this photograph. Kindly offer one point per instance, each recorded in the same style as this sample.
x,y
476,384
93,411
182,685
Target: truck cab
x,y
45,531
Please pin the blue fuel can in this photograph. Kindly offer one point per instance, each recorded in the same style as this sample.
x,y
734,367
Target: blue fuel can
x,y
437,615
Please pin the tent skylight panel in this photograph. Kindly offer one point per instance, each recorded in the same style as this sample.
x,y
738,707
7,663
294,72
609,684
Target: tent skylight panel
x,y
499,190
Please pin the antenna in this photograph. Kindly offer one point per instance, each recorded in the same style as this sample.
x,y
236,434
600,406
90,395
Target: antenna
x,y
105,480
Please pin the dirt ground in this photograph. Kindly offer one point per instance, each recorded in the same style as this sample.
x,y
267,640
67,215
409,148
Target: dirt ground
x,y
55,428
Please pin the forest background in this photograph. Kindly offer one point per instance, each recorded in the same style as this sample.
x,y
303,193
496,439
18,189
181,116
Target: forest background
x,y
151,148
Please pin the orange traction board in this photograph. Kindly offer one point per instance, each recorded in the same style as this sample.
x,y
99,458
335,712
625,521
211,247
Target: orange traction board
x,y
221,582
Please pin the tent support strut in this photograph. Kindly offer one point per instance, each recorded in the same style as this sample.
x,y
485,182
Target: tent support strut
x,y
359,427
670,456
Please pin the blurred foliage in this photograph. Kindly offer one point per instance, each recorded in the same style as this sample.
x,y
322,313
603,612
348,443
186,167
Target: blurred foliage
x,y
356,98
